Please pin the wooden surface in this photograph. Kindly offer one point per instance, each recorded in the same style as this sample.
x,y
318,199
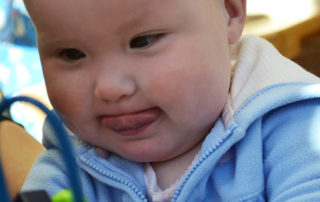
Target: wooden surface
x,y
18,150
285,25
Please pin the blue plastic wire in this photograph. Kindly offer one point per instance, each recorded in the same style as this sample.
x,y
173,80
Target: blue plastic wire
x,y
62,137
4,195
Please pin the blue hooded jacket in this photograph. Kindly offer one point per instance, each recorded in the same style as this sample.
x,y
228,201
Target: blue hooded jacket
x,y
264,147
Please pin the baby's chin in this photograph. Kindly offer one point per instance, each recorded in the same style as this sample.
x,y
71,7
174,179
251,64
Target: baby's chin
x,y
146,158
150,156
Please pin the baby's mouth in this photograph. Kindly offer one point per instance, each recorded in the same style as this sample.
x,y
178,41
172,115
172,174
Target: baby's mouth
x,y
132,123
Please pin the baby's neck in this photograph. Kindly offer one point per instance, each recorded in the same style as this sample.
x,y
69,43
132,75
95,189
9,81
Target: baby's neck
x,y
168,172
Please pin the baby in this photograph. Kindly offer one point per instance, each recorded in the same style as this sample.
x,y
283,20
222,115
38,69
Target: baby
x,y
156,111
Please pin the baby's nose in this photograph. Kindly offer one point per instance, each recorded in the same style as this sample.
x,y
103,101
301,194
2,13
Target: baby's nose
x,y
113,88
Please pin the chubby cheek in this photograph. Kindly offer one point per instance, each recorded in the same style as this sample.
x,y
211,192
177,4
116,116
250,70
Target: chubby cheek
x,y
191,86
66,94
64,102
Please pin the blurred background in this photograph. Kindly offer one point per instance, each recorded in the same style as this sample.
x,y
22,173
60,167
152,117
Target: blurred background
x,y
293,26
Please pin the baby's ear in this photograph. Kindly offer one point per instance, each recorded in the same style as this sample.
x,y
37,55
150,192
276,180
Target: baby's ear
x,y
236,11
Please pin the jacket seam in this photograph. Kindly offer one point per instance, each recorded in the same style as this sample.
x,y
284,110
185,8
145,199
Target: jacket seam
x,y
264,91
117,177
250,196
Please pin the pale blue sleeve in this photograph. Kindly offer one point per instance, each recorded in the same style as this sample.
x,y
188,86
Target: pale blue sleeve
x,y
48,173
292,152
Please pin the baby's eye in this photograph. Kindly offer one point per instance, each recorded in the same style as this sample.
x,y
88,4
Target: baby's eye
x,y
71,54
144,41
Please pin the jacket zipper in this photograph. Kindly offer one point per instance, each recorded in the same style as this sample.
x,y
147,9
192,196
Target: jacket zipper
x,y
201,160
120,180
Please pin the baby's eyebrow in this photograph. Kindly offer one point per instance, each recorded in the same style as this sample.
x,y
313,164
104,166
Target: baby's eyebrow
x,y
40,37
137,20
149,14
44,39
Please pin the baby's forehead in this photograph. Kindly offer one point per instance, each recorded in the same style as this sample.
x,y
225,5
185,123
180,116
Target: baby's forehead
x,y
102,10
109,8
112,6
113,17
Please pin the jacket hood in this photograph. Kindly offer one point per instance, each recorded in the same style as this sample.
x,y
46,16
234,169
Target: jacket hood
x,y
257,65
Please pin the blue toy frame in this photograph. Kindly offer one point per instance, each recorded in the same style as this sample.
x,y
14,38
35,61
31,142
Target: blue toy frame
x,y
66,152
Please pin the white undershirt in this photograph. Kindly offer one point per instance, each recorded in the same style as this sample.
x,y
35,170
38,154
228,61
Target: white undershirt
x,y
157,194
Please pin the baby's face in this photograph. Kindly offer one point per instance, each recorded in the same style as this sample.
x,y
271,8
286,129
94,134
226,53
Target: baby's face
x,y
145,79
